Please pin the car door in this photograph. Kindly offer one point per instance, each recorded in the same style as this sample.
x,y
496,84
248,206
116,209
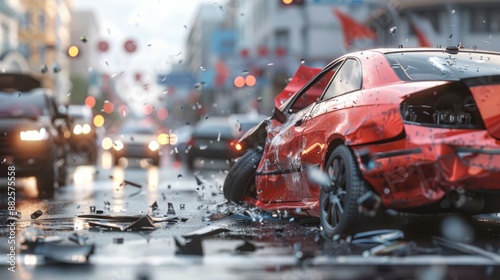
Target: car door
x,y
286,147
329,113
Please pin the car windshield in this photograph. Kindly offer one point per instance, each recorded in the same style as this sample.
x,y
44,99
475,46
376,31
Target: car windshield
x,y
441,66
14,105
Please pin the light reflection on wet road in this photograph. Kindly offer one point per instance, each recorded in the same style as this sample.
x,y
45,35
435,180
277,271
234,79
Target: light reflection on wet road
x,y
283,249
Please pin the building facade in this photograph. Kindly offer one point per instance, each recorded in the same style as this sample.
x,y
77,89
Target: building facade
x,y
44,35
10,59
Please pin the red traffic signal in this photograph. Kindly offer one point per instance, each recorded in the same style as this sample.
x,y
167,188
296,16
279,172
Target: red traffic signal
x,y
292,2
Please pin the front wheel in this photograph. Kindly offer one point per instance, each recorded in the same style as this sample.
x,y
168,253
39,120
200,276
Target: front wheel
x,y
339,212
241,177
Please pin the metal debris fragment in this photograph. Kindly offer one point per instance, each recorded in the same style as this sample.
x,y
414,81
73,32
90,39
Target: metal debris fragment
x,y
36,214
190,246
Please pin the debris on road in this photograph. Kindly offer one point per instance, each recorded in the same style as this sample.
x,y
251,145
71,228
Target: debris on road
x,y
206,231
127,182
55,248
191,246
118,240
466,248
377,236
36,214
7,216
369,203
246,247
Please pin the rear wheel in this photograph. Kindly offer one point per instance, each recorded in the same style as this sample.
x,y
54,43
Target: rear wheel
x,y
339,212
241,177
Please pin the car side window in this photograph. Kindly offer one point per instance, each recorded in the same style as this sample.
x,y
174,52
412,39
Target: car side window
x,y
314,92
347,79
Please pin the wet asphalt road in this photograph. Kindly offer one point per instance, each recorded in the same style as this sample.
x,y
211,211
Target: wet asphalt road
x,y
240,243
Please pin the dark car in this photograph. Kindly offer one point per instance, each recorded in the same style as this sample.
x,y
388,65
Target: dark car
x,y
216,138
412,130
31,133
136,141
83,139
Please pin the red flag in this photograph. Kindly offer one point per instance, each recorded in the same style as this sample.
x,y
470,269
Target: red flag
x,y
352,29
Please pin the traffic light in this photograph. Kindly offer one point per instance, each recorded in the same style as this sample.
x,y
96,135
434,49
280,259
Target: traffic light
x,y
292,2
73,51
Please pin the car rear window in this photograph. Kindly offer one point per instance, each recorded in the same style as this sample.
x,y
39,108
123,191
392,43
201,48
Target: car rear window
x,y
441,66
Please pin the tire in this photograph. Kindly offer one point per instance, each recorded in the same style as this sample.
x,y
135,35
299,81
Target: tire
x,y
241,177
344,194
45,182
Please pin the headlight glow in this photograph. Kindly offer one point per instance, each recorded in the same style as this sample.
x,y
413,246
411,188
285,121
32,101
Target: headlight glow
x,y
107,143
153,146
77,129
86,128
34,135
118,145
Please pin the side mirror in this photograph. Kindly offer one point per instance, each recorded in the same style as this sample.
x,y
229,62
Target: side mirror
x,y
278,115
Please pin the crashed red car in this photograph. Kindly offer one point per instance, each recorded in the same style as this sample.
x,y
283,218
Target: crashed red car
x,y
419,129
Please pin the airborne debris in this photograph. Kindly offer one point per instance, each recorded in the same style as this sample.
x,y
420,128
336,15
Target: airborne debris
x,y
83,39
154,206
377,236
171,210
36,214
78,239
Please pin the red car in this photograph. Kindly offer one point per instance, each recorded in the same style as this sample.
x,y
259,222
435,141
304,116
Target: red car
x,y
418,128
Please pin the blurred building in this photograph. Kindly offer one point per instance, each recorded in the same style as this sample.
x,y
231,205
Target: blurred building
x,y
426,23
84,72
11,60
198,51
44,35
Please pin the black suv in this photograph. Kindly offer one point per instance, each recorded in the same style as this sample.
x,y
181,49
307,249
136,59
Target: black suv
x,y
32,133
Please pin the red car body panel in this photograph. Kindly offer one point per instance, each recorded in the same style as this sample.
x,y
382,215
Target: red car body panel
x,y
411,165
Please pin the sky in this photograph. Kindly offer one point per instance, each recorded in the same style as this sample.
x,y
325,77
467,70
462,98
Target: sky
x,y
158,26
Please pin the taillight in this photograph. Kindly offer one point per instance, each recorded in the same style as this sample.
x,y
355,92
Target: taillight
x,y
449,106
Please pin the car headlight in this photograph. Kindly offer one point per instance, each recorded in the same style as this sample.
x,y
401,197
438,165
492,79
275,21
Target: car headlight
x,y
86,128
77,129
153,146
118,145
107,143
34,135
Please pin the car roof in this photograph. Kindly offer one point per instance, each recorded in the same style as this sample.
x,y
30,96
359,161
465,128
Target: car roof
x,y
399,50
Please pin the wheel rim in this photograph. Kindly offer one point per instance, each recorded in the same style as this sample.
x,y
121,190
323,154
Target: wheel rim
x,y
334,199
